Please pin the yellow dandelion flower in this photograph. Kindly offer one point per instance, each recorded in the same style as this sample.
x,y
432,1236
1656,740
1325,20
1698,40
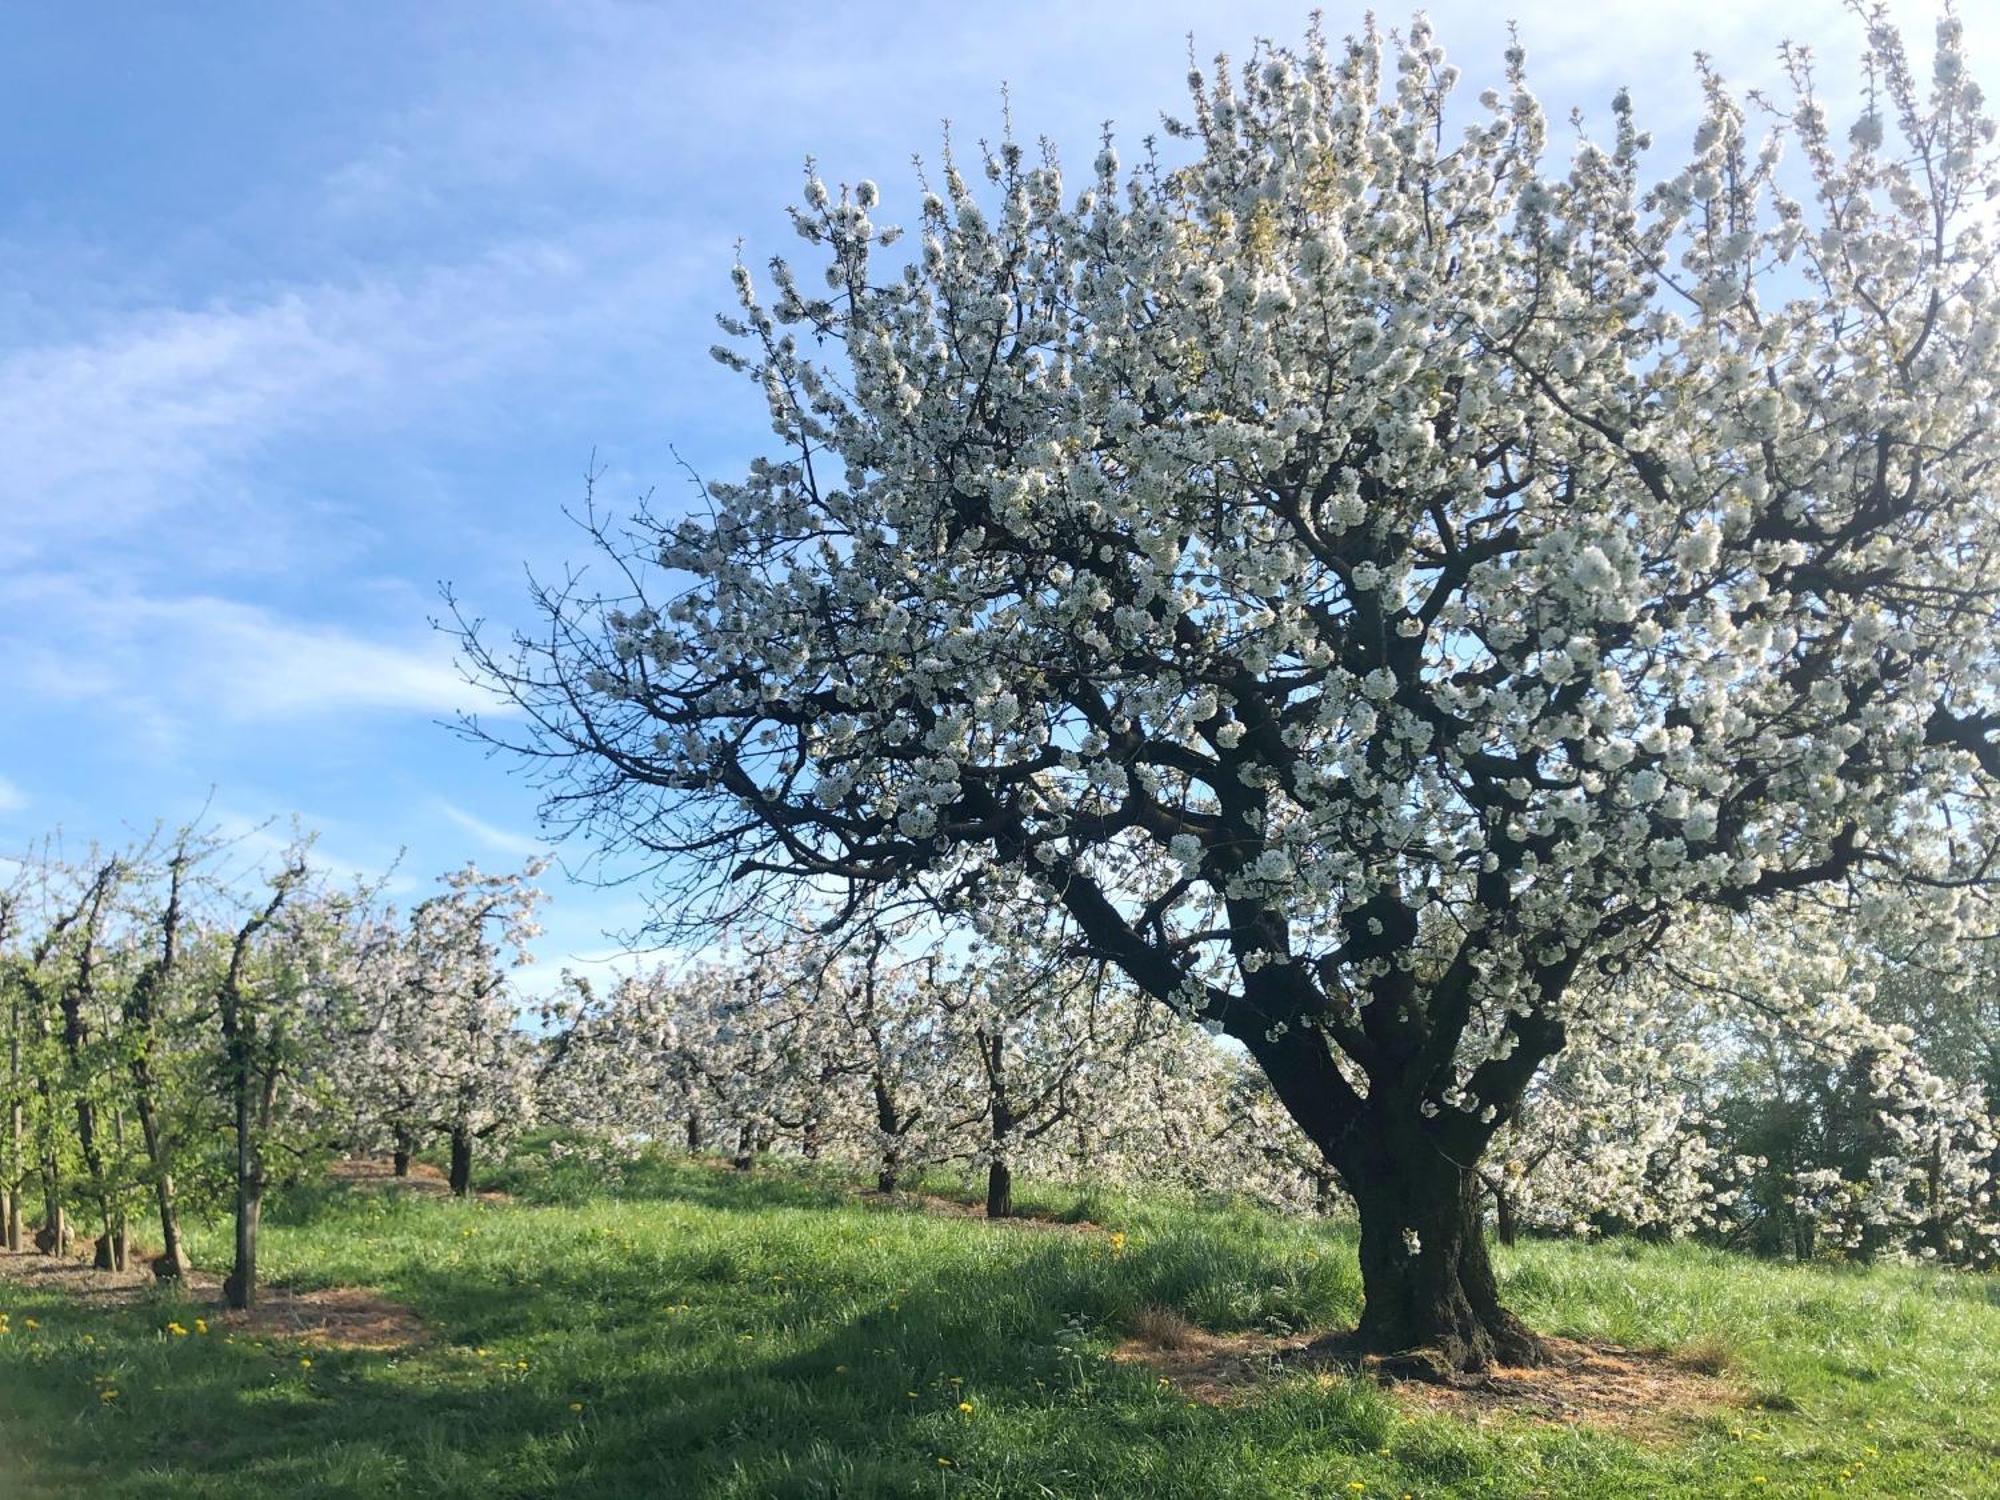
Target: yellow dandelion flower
x,y
29,1323
107,1395
576,1406
305,1364
965,1406
201,1325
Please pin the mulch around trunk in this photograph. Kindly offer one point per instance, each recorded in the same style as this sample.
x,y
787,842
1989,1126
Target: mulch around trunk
x,y
425,1180
339,1317
1646,1395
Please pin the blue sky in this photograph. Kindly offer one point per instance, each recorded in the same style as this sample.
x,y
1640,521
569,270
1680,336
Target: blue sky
x,y
305,308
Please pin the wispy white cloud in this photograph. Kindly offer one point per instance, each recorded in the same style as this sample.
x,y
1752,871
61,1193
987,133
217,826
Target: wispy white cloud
x,y
156,414
12,798
498,839
198,659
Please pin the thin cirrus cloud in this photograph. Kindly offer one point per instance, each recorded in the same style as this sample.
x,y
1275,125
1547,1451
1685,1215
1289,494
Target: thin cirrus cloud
x,y
491,836
160,411
173,660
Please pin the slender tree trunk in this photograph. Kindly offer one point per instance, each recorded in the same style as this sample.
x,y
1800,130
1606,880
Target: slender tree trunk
x,y
999,1190
241,1286
1506,1227
694,1134
17,1136
746,1150
1936,1230
172,1264
404,1148
891,1128
53,1238
1000,1114
461,1161
1325,1191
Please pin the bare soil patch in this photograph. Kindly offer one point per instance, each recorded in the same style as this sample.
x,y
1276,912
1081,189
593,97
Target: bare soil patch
x,y
956,1208
1641,1394
333,1317
424,1179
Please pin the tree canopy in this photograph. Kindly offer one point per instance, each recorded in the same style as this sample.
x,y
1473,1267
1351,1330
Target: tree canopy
x,y
1357,566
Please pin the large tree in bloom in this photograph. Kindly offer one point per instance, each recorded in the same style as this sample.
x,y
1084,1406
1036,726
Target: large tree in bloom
x,y
1357,567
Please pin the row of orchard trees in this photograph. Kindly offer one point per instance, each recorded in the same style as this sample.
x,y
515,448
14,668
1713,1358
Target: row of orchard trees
x,y
157,1005
893,1058
1781,1091
183,1025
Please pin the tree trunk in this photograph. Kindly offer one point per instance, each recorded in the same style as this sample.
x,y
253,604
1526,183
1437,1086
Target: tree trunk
x,y
461,1162
404,1146
16,1129
172,1264
999,1190
1425,1277
746,1150
1935,1229
1325,1192
694,1134
240,1288
1505,1226
53,1237
890,1128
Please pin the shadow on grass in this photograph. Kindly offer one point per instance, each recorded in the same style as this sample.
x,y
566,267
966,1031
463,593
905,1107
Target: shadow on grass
x,y
740,1346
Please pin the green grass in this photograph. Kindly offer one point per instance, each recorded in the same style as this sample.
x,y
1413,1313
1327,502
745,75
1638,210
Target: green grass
x,y
775,1337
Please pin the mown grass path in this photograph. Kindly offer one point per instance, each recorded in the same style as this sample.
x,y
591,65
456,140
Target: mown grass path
x,y
700,1334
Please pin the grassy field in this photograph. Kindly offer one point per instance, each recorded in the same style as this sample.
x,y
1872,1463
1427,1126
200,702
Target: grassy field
x,y
697,1333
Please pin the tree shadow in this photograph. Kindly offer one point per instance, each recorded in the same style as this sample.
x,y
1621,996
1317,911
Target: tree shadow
x,y
763,1353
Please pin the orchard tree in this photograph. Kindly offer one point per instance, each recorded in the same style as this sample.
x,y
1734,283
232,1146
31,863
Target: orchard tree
x,y
440,1053
1363,571
1034,1036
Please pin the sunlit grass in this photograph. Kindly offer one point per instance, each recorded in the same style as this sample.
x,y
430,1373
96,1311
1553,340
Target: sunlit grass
x,y
708,1335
